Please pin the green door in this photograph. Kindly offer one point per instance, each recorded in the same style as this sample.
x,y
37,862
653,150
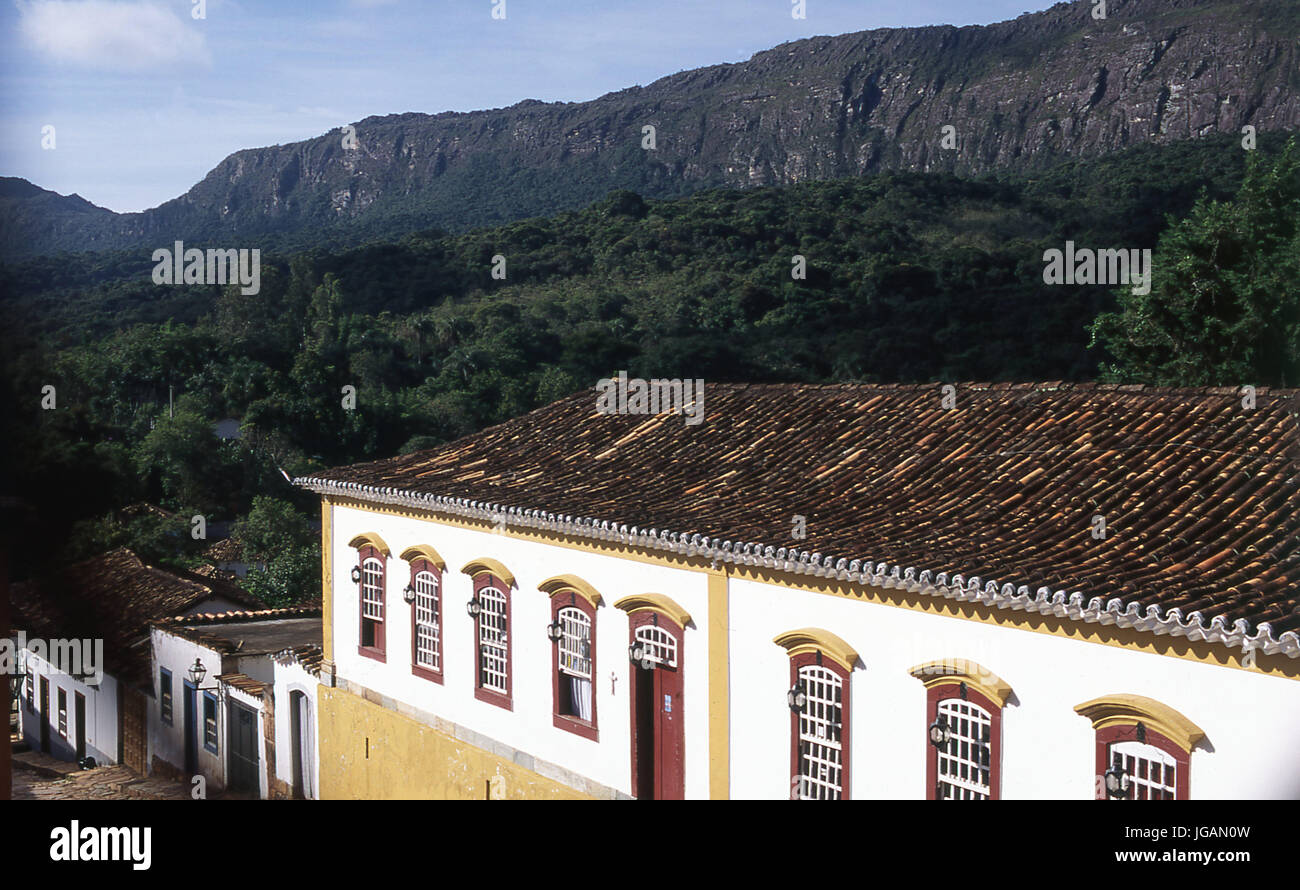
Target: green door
x,y
242,748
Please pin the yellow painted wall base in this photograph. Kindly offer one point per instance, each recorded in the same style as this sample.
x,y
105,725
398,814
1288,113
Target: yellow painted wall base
x,y
370,753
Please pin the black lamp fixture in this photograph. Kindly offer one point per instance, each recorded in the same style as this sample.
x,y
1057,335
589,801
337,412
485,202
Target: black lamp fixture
x,y
197,672
554,631
939,732
408,594
797,697
637,654
1118,781
356,574
474,607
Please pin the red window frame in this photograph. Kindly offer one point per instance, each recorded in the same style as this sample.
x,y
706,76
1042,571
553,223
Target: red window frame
x,y
945,692
1128,732
419,565
481,692
816,659
569,722
376,651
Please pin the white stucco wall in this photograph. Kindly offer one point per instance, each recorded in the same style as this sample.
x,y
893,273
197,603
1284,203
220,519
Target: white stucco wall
x,y
291,678
1048,749
1250,720
101,713
167,742
528,727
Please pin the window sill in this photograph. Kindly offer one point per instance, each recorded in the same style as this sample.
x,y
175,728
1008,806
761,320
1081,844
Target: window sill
x,y
371,652
577,726
493,698
427,674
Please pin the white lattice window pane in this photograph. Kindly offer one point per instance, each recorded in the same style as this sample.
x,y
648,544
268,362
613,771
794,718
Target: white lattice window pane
x,y
492,640
660,645
821,756
428,642
372,590
575,643
1153,773
964,764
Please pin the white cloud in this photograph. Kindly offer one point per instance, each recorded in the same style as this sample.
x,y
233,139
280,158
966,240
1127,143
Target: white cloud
x,y
125,36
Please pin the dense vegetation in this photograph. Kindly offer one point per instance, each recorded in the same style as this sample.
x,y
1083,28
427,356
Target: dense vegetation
x,y
909,278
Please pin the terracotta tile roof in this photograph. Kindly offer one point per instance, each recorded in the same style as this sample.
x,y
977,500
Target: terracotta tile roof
x,y
245,683
114,596
309,657
225,550
993,500
228,632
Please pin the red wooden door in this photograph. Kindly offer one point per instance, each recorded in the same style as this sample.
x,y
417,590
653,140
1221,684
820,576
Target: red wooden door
x,y
658,724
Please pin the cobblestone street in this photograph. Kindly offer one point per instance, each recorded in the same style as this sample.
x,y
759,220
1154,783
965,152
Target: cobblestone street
x,y
41,777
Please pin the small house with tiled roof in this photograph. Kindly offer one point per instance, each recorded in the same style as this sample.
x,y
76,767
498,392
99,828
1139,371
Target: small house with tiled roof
x,y
85,635
835,591
237,700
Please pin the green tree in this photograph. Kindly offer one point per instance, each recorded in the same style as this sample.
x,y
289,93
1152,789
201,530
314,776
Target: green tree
x,y
1224,304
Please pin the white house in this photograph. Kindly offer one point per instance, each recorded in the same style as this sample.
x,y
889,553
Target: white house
x,y
235,701
1031,591
85,631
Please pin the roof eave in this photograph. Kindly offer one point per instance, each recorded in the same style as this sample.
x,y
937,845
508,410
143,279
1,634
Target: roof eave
x,y
1006,596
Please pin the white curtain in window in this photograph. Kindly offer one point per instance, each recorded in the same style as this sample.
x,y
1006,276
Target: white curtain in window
x,y
580,695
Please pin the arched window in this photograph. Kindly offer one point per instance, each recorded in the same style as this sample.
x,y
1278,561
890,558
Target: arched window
x,y
1153,772
964,754
820,729
492,630
370,576
821,666
963,733
426,624
424,593
1143,748
574,667
372,603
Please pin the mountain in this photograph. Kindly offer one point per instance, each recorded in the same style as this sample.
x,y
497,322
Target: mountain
x,y
1019,95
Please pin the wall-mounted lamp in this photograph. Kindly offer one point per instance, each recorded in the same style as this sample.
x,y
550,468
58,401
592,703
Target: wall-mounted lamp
x,y
474,607
408,594
797,697
637,654
196,674
1118,781
554,631
356,574
939,732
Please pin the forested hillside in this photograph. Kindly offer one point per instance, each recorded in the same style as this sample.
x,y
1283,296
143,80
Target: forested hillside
x,y
910,277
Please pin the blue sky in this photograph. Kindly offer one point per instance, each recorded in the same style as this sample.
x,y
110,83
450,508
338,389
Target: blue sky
x,y
145,98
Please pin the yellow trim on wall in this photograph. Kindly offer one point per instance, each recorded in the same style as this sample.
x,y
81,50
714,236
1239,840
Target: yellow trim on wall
x,y
373,540
424,551
814,639
1125,709
955,671
485,566
654,602
327,578
560,583
1199,651
719,688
